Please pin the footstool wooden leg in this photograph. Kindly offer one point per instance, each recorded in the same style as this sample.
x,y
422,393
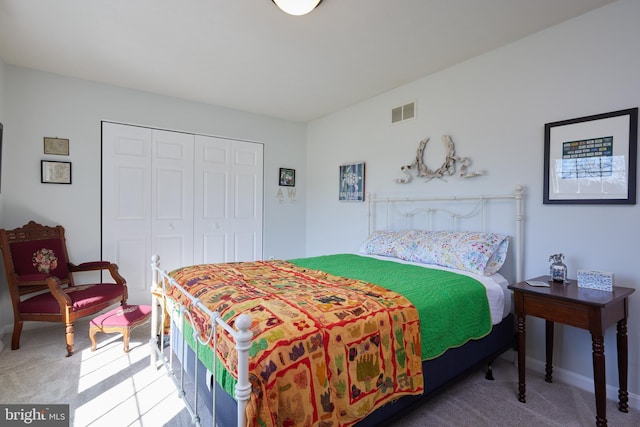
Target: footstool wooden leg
x,y
125,338
92,336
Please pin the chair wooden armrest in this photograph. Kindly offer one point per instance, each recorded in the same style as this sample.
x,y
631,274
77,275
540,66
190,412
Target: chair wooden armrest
x,y
97,266
30,283
89,266
55,287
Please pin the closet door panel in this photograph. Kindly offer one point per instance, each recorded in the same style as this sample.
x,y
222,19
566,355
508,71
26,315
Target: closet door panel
x,y
211,208
214,195
245,246
126,204
246,195
231,204
172,198
214,248
247,200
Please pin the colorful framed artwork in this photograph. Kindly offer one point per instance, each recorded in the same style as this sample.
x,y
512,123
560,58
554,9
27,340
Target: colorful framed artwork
x,y
351,184
287,177
591,160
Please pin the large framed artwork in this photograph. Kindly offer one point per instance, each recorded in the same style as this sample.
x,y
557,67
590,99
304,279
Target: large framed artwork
x,y
591,160
351,182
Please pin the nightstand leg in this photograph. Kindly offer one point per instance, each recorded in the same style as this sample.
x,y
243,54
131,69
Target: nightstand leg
x,y
623,363
548,368
522,353
599,379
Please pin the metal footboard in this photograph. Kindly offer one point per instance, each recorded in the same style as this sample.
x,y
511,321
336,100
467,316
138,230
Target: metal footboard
x,y
161,307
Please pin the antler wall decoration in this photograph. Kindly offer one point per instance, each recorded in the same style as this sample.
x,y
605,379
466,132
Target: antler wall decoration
x,y
447,168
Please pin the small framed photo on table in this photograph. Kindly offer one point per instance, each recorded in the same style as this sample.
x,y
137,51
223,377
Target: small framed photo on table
x,y
55,172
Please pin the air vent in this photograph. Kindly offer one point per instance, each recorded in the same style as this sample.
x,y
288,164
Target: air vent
x,y
406,112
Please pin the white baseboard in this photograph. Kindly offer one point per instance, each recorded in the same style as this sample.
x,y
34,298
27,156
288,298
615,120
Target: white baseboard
x,y
580,381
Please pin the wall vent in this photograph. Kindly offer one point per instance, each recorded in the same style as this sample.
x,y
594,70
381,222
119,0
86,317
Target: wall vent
x,y
405,112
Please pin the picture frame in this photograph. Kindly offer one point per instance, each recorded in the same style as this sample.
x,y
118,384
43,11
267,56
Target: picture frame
x,y
56,146
592,159
287,177
351,182
55,172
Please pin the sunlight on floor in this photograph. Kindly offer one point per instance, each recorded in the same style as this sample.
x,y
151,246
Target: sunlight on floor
x,y
122,389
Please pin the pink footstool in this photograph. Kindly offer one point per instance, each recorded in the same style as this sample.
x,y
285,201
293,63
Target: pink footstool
x,y
121,319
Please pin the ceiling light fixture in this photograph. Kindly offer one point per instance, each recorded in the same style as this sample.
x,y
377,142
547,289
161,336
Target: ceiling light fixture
x,y
297,7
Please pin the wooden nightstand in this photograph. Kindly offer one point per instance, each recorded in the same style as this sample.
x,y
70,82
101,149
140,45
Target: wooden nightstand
x,y
588,309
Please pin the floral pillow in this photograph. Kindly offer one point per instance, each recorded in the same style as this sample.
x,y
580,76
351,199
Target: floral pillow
x,y
478,253
382,243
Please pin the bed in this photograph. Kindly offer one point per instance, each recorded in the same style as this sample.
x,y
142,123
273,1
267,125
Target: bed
x,y
345,339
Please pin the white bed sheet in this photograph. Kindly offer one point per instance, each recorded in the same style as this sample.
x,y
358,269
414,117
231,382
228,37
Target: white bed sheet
x,y
498,294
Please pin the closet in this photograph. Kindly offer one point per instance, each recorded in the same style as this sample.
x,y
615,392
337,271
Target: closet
x,y
189,198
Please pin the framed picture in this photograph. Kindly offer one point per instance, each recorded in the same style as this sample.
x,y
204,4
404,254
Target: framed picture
x,y
55,172
56,146
591,160
287,177
351,185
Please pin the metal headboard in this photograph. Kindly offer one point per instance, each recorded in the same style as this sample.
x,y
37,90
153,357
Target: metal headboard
x,y
453,209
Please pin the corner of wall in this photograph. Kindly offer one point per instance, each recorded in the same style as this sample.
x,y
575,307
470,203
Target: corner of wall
x,y
2,120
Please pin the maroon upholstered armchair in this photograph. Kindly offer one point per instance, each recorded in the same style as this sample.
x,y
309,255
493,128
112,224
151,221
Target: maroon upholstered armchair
x,y
40,279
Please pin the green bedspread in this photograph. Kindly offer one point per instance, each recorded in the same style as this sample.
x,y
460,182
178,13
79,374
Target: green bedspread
x,y
453,307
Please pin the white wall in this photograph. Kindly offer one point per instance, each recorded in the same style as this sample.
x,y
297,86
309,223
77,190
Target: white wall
x,y
3,184
495,107
2,120
40,104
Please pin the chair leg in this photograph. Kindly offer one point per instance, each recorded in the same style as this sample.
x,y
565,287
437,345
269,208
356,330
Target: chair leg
x,y
69,338
15,339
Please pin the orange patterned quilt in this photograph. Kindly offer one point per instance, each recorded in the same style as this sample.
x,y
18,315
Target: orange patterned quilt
x,y
326,351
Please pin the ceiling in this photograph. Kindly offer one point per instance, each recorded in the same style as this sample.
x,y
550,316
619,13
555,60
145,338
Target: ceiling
x,y
250,56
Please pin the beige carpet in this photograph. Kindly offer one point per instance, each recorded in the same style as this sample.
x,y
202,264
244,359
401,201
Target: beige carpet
x,y
111,388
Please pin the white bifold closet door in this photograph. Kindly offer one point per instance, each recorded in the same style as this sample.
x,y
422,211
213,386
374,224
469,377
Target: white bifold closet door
x,y
191,199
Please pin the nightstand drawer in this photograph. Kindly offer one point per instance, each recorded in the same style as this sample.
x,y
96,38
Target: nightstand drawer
x,y
557,311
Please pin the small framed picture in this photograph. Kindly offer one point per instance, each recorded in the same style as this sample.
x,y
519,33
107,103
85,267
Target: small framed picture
x,y
55,172
287,177
57,146
351,183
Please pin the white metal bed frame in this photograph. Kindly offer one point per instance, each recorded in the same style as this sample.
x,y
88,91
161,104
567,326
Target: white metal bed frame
x,y
160,307
161,281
